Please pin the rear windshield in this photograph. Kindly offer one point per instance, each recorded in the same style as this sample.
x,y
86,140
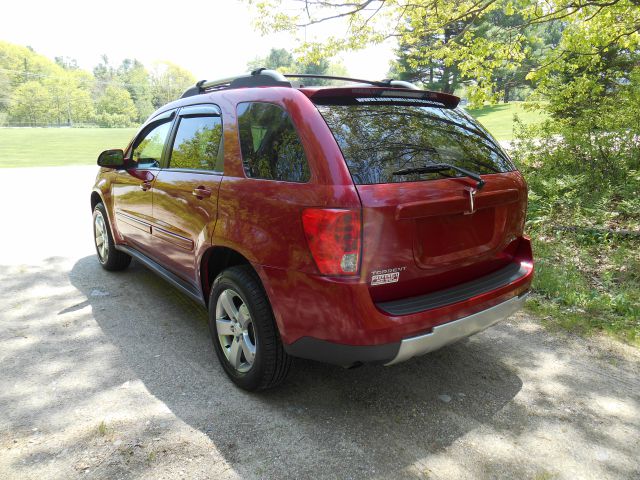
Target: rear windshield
x,y
377,140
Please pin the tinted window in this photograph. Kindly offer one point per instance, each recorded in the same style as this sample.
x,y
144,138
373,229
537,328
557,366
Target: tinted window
x,y
377,140
270,145
148,148
197,143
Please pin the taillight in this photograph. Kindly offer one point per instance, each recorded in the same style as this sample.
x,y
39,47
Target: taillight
x,y
333,236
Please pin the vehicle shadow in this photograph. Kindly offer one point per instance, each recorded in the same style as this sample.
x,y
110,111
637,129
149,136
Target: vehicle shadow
x,y
324,421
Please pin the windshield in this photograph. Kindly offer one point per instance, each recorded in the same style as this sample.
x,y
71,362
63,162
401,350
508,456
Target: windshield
x,y
378,140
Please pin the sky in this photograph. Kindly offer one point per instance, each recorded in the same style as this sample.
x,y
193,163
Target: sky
x,y
212,39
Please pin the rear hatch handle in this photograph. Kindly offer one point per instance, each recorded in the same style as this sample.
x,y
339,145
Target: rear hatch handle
x,y
451,205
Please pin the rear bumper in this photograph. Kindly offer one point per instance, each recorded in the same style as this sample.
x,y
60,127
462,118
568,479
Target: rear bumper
x,y
322,317
396,352
458,329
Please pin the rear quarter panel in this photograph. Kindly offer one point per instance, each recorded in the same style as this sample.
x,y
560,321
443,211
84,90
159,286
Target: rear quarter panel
x,y
262,218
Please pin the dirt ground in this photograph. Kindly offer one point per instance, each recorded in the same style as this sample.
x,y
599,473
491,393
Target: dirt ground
x,y
112,375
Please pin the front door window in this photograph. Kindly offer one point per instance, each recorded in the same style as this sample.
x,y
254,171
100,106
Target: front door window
x,y
147,151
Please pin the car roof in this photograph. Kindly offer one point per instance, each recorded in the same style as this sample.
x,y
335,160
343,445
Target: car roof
x,y
206,91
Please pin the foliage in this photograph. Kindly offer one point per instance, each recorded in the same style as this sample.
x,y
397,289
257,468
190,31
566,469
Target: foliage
x,y
482,48
70,98
31,102
424,58
21,64
585,285
116,108
137,80
593,130
5,87
583,190
414,64
278,59
284,61
168,82
37,91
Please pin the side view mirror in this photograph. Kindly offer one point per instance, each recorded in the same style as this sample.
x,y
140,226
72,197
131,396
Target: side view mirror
x,y
111,159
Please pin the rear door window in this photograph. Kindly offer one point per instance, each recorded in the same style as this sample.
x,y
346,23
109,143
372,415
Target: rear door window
x,y
197,144
271,148
377,140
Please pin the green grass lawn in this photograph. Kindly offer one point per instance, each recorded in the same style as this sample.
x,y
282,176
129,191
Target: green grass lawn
x,y
41,147
498,119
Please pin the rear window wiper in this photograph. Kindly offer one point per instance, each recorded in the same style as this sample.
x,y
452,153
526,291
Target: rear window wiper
x,y
439,167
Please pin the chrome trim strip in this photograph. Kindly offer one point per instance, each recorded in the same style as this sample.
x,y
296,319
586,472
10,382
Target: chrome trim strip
x,y
173,238
133,221
450,332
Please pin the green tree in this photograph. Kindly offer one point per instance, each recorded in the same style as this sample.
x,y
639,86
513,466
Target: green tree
x,y
5,91
415,65
135,78
426,60
480,53
30,104
69,102
277,59
284,61
21,64
168,82
67,63
104,72
116,108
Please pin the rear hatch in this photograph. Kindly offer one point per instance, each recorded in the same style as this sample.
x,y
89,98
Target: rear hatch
x,y
426,232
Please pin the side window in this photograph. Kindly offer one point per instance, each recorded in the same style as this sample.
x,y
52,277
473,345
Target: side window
x,y
197,144
147,150
270,145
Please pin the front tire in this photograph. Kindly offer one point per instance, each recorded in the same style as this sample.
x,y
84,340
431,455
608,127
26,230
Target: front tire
x,y
244,332
110,258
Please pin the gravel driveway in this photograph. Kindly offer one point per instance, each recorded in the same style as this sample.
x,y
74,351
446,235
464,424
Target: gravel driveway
x,y
112,375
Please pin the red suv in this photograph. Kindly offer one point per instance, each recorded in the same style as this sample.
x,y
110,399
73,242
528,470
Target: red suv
x,y
367,223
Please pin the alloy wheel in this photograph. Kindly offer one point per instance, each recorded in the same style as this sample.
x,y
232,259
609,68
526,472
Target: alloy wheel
x,y
235,330
101,237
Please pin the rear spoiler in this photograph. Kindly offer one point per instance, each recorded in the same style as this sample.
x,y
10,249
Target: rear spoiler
x,y
383,96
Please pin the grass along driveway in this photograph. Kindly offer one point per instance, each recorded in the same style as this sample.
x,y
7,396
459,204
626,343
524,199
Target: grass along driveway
x,y
45,147
498,119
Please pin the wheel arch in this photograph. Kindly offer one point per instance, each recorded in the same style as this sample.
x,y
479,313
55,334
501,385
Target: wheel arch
x,y
96,198
214,261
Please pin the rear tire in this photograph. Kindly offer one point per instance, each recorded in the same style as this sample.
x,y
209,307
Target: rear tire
x,y
110,258
244,332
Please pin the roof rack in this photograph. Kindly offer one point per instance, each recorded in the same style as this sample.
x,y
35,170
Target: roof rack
x,y
387,82
262,77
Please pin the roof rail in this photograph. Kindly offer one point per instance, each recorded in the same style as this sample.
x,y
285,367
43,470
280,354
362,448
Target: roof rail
x,y
387,82
262,77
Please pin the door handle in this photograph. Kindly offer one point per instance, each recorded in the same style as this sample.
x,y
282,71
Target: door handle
x,y
201,192
144,186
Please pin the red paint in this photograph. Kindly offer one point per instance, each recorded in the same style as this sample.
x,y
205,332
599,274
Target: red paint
x,y
426,228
